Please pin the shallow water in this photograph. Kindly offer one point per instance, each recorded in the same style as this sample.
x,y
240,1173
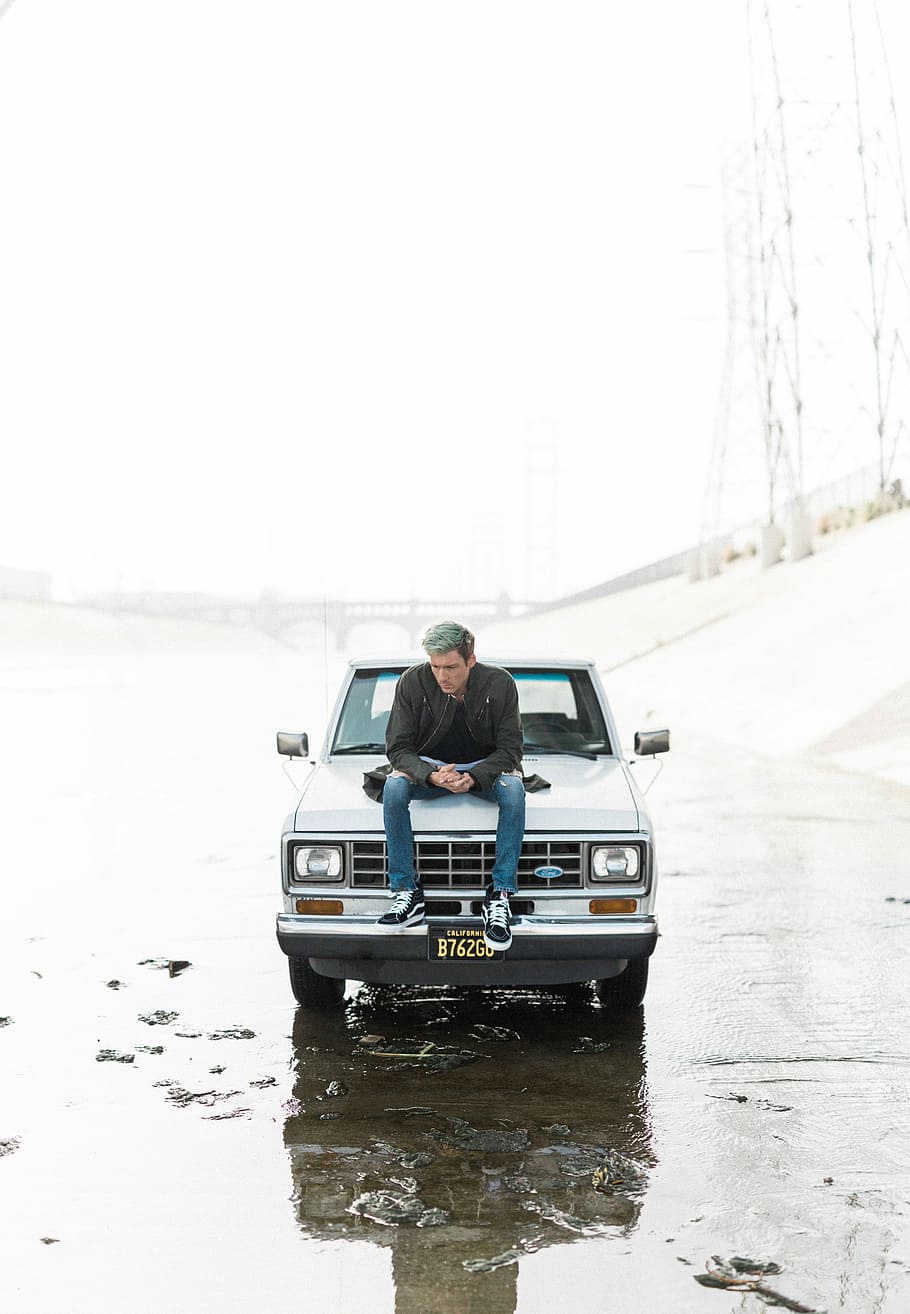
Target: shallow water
x,y
755,1106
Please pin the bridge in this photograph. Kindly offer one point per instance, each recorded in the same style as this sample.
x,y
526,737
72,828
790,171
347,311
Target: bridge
x,y
339,616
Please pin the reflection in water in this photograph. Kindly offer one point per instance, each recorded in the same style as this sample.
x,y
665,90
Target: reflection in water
x,y
471,1135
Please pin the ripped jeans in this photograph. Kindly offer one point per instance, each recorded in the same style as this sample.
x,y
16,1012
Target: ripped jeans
x,y
507,792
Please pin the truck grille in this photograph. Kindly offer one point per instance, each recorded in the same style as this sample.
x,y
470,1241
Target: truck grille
x,y
450,864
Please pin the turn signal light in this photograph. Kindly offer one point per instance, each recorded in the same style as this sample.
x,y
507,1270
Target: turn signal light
x,y
613,906
330,907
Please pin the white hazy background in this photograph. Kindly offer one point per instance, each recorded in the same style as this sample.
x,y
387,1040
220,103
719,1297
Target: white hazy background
x,y
293,295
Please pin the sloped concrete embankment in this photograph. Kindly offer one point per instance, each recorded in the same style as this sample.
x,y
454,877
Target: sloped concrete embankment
x,y
812,657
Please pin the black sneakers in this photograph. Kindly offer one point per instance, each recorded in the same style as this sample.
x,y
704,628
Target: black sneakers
x,y
407,910
497,919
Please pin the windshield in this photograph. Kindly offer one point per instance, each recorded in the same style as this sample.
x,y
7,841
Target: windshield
x,y
559,710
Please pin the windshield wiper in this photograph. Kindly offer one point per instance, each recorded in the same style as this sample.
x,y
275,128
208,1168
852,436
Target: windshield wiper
x,y
358,748
569,752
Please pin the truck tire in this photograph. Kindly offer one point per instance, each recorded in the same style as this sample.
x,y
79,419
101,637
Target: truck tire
x,y
319,993
626,990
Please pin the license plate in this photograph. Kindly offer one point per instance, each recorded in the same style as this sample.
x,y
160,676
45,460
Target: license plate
x,y
459,944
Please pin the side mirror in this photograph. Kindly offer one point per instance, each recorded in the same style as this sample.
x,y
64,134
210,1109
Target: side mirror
x,y
292,745
648,742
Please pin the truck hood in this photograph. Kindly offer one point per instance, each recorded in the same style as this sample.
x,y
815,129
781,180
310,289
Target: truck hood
x,y
584,795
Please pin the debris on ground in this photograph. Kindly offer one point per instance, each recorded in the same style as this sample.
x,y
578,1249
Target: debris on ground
x,y
231,1113
159,964
569,1222
262,1082
150,1049
233,1033
176,966
460,1135
497,1261
557,1129
9,1146
113,1056
395,1210
406,1158
412,1111
759,1104
160,1018
188,1035
329,1117
49,1240
5,1021
519,1183
892,898
370,1042
742,1274
114,984
217,1070
617,1172
291,1108
483,1032
424,1055
588,1045
181,1097
333,1091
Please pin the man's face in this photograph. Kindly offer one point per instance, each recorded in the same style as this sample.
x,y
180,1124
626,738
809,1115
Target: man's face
x,y
452,671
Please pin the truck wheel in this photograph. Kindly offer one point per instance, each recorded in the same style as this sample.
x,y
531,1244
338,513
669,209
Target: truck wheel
x,y
312,990
626,990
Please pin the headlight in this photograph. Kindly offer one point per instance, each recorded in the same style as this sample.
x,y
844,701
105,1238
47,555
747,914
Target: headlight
x,y
317,863
614,864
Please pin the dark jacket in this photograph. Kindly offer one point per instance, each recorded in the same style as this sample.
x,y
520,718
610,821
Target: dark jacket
x,y
421,713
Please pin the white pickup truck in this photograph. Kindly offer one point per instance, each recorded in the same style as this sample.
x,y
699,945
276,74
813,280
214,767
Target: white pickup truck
x,y
587,878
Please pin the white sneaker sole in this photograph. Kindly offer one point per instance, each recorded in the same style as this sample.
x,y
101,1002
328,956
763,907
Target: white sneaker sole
x,y
413,920
497,944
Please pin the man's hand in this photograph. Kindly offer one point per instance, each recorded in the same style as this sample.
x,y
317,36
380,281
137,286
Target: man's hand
x,y
446,777
463,782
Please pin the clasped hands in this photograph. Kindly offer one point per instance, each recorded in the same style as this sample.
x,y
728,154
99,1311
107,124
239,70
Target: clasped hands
x,y
457,782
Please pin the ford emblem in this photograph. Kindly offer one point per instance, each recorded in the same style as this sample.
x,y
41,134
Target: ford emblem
x,y
548,873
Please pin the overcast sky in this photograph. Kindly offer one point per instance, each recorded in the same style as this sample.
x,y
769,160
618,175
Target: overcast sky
x,y
361,298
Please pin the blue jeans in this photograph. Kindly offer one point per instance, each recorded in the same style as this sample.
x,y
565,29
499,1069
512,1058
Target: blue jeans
x,y
507,791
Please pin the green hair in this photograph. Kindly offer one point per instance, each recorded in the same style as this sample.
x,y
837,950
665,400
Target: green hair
x,y
448,636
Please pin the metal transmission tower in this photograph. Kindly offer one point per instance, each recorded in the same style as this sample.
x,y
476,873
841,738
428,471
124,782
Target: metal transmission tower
x,y
736,466
885,234
777,311
541,509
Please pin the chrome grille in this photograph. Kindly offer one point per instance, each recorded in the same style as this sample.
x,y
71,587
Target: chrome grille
x,y
450,864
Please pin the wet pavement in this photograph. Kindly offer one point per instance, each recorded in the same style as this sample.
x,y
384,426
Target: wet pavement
x,y
181,1138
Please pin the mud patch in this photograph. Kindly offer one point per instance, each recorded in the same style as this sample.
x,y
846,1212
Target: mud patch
x,y
426,1056
741,1274
460,1135
397,1210
181,1097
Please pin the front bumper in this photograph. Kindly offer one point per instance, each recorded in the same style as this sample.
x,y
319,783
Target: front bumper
x,y
543,948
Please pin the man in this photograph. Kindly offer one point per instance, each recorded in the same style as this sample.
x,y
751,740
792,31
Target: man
x,y
454,728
